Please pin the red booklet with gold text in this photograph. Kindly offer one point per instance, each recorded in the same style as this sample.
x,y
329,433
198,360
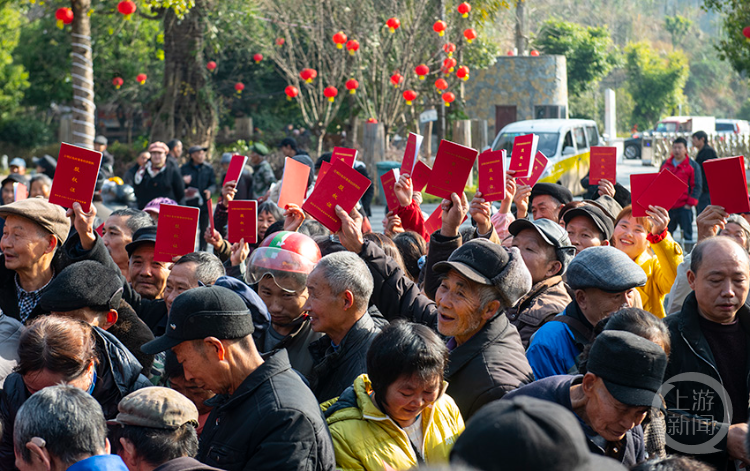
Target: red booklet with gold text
x,y
451,170
342,186
411,153
540,164
603,164
491,178
175,233
75,176
242,221
420,175
389,181
346,155
523,154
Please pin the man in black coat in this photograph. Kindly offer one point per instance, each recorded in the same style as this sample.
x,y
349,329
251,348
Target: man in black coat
x,y
200,182
705,152
158,178
264,416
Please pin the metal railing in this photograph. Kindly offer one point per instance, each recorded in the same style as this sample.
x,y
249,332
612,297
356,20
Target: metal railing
x,y
726,145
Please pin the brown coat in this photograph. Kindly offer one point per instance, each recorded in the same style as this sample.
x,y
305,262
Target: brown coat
x,y
546,299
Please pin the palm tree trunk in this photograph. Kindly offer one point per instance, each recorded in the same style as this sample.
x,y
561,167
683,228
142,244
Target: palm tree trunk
x,y
84,109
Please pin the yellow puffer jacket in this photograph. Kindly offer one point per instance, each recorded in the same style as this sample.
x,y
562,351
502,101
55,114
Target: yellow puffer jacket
x,y
364,438
661,270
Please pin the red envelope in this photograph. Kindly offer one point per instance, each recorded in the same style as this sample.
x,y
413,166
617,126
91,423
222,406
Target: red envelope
x,y
242,221
175,233
324,167
211,216
20,192
75,176
410,154
435,221
603,164
420,175
521,157
348,156
727,183
234,171
664,191
540,164
389,181
638,185
342,186
453,163
491,178
293,183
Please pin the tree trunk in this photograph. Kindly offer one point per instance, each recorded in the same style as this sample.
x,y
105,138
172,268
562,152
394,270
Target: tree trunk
x,y
521,27
186,109
84,109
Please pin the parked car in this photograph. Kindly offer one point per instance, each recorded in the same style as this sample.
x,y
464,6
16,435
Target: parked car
x,y
732,126
565,142
669,125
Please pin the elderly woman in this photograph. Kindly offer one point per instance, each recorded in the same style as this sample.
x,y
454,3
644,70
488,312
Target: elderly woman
x,y
397,415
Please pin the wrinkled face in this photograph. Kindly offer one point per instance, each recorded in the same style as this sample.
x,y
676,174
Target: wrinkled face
x,y
191,391
198,157
284,307
24,243
325,308
597,304
609,417
199,365
545,207
148,277
537,254
181,278
721,282
408,396
38,188
265,219
736,232
679,150
116,235
458,307
630,237
583,233
8,193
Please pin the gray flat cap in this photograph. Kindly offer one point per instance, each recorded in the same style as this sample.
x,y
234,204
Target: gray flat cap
x,y
605,268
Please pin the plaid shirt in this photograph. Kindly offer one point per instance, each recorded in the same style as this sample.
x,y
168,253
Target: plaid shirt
x,y
27,301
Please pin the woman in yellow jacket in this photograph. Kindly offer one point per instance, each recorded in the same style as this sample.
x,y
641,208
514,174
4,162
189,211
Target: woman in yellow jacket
x,y
398,416
648,243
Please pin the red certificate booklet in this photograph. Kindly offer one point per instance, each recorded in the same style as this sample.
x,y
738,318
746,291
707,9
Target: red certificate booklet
x,y
234,172
75,177
491,181
420,175
540,164
348,156
293,183
727,183
410,154
603,165
638,185
175,233
342,186
389,181
435,221
242,221
664,191
522,155
453,164
324,168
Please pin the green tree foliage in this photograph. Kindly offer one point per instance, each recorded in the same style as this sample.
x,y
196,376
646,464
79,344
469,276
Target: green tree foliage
x,y
654,81
733,46
678,27
13,77
589,51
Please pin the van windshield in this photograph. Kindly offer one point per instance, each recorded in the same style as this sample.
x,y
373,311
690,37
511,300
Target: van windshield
x,y
669,126
547,142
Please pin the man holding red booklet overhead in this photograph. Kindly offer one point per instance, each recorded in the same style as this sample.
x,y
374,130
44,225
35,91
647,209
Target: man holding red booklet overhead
x,y
689,172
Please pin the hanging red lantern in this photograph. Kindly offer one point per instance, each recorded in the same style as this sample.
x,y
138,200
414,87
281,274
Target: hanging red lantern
x,y
397,79
308,75
141,78
448,98
439,27
330,93
340,39
470,34
127,8
464,9
64,17
352,85
441,84
409,96
393,24
280,41
291,92
421,71
238,87
211,66
352,46
449,63
534,53
257,58
372,121
463,72
746,31
117,82
449,49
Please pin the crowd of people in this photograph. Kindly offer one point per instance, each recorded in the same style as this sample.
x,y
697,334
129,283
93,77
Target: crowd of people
x,y
549,334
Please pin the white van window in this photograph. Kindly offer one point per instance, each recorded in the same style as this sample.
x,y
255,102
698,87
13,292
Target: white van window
x,y
580,138
593,135
547,142
568,141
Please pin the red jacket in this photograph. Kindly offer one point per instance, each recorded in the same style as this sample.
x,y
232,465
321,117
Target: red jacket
x,y
412,219
689,172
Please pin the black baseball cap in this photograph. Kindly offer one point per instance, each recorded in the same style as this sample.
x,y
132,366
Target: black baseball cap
x,y
196,149
206,311
141,236
552,234
603,222
631,367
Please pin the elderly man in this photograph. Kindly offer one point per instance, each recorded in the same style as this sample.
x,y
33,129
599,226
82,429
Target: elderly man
x,y
339,290
710,337
588,226
545,200
63,428
17,166
200,183
265,417
263,176
118,232
155,431
611,400
480,280
108,160
158,178
148,277
546,251
603,280
175,151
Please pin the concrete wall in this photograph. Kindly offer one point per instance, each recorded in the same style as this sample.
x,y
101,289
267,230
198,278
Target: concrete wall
x,y
524,81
